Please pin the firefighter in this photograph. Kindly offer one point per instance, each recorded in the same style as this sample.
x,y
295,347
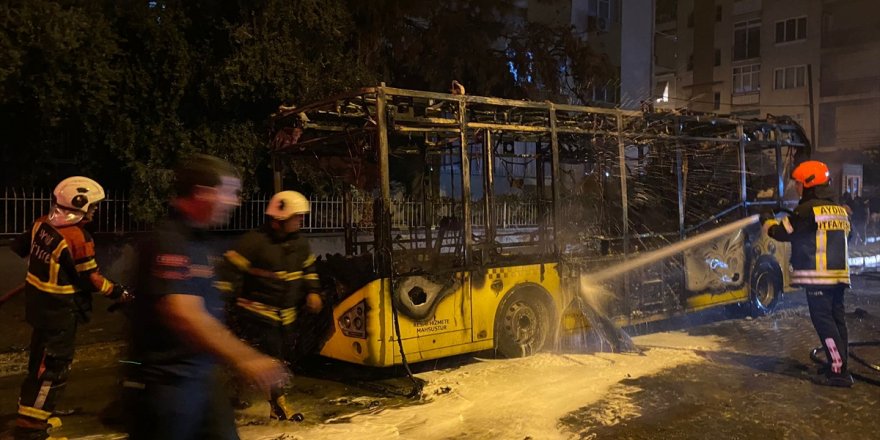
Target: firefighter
x,y
271,279
62,274
171,390
818,230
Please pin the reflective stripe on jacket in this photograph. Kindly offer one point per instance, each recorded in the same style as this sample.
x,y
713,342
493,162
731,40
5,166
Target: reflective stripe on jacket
x,y
284,316
62,274
818,230
62,260
273,271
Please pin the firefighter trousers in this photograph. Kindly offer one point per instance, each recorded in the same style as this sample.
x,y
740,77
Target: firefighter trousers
x,y
270,338
51,353
828,316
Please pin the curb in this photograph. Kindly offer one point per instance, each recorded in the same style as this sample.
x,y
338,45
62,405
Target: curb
x,y
98,354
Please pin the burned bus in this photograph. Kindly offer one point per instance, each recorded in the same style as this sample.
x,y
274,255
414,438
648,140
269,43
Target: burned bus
x,y
469,222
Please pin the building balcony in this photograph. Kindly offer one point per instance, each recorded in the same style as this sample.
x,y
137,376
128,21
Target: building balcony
x,y
750,98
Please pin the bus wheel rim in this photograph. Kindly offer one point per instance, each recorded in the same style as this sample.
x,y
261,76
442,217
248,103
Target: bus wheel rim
x,y
521,322
765,290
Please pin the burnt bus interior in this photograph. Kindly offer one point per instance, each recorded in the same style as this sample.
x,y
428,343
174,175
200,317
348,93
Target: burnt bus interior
x,y
435,184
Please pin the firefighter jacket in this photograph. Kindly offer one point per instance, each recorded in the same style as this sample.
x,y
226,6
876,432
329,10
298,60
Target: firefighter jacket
x,y
818,230
270,275
62,274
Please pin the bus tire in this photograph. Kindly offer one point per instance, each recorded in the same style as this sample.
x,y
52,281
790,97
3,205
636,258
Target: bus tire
x,y
765,288
523,324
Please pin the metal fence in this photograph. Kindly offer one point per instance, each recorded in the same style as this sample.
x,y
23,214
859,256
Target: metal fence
x,y
20,207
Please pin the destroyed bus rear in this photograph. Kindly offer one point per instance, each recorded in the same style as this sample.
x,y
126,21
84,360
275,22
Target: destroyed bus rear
x,y
469,221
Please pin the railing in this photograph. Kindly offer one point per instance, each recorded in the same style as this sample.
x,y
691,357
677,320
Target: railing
x,y
20,207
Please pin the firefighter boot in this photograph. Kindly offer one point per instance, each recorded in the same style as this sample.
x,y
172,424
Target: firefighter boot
x,y
28,429
281,410
844,380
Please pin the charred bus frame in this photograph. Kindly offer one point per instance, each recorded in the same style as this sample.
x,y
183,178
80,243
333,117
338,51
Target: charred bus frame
x,y
372,124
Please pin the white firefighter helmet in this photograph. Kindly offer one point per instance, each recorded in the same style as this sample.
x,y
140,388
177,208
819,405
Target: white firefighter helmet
x,y
285,204
78,193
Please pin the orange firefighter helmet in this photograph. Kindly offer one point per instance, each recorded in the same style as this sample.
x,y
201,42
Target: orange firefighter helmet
x,y
811,173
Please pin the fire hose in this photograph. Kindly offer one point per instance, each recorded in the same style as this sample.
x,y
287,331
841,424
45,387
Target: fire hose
x,y
416,390
11,293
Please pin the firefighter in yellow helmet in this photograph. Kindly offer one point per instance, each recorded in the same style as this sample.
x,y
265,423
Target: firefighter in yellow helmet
x,y
62,274
818,230
271,278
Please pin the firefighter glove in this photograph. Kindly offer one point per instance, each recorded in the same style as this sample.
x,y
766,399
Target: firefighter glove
x,y
121,294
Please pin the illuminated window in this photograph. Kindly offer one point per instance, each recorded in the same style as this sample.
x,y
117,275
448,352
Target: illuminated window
x,y
747,79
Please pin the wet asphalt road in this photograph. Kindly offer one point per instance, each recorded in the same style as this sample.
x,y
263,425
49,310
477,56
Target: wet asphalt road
x,y
757,387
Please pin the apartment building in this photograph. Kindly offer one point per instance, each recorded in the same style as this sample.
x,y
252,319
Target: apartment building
x,y
849,92
817,61
621,29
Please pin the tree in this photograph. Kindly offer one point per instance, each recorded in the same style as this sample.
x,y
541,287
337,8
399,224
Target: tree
x,y
122,89
237,65
488,45
57,85
553,62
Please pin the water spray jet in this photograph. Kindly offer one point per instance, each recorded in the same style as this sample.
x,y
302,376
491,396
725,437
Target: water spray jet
x,y
594,297
671,250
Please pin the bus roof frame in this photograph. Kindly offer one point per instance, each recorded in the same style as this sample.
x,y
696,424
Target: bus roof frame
x,y
367,110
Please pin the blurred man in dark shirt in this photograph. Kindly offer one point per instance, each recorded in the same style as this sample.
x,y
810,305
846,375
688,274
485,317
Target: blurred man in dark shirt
x,y
178,330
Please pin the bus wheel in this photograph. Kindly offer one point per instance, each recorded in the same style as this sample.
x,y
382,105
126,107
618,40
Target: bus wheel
x,y
522,325
765,288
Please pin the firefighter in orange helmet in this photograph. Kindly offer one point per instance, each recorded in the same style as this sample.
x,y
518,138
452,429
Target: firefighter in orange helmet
x,y
818,230
61,276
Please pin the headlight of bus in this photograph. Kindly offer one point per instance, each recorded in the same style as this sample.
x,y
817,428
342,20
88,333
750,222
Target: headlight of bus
x,y
353,321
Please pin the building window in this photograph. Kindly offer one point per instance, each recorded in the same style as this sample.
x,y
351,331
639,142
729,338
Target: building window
x,y
600,13
717,57
747,39
718,13
691,20
792,29
716,102
599,8
853,184
606,94
793,77
747,79
690,65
